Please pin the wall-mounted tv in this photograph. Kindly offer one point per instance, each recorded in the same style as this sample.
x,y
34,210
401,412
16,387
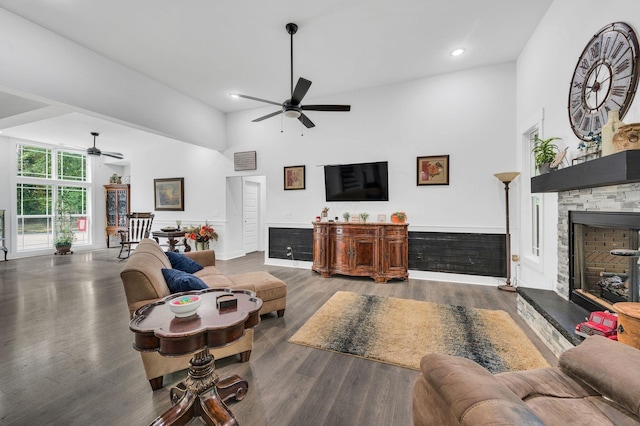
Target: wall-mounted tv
x,y
357,182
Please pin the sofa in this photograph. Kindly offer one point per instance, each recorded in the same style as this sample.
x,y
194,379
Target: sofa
x,y
144,283
595,383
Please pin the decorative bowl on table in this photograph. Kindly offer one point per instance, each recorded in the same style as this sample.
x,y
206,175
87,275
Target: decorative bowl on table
x,y
184,306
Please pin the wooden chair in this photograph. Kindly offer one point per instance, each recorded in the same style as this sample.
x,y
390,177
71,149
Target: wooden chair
x,y
138,227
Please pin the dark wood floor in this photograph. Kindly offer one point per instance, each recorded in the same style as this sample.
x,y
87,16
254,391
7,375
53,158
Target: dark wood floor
x,y
66,356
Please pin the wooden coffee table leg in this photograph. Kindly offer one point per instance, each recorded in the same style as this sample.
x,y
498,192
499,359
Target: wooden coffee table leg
x,y
213,411
203,394
232,386
181,413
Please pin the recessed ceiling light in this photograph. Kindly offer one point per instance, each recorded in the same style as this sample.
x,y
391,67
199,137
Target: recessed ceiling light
x,y
234,95
457,52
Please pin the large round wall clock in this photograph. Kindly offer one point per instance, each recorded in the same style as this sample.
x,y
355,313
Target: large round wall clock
x,y
605,79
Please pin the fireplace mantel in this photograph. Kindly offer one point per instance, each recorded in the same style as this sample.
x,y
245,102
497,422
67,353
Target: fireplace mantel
x,y
621,167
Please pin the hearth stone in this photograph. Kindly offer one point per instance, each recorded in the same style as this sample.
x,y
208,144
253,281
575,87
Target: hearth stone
x,y
551,317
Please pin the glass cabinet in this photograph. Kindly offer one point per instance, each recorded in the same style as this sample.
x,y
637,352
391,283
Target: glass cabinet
x,y
117,198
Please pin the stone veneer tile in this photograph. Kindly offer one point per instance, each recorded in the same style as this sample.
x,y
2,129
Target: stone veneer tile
x,y
551,337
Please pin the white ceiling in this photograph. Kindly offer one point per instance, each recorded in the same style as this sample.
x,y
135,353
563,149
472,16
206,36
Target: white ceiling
x,y
208,49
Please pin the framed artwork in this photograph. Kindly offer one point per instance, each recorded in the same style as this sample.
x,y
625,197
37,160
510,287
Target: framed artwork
x,y
433,170
294,177
244,160
168,194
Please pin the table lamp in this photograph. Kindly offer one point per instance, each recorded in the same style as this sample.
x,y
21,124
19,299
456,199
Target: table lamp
x,y
507,178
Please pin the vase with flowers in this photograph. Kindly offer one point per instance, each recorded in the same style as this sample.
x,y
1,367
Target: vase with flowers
x,y
201,234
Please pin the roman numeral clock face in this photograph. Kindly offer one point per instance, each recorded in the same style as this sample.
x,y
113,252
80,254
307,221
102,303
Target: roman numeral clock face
x,y
605,79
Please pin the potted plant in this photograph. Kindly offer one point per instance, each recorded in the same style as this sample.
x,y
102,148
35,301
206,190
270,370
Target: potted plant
x,y
346,216
398,217
364,216
545,152
64,235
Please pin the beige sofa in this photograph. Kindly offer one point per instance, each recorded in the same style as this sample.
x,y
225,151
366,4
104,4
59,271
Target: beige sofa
x,y
144,283
595,383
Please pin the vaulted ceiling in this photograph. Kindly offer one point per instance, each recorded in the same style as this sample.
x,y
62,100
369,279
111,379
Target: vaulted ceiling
x,y
208,49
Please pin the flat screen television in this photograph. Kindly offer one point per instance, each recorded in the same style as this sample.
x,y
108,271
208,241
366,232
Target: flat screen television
x,y
357,182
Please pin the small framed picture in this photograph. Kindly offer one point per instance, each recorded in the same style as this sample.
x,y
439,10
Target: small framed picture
x,y
168,194
382,218
433,170
294,177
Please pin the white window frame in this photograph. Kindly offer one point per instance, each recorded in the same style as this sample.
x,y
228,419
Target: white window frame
x,y
534,210
54,183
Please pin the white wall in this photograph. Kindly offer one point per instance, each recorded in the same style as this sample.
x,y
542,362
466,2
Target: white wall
x,y
468,115
45,66
544,71
204,172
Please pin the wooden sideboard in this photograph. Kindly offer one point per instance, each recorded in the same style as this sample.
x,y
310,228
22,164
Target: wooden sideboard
x,y
118,207
376,250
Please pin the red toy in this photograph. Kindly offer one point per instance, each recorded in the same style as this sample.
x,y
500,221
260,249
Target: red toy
x,y
602,323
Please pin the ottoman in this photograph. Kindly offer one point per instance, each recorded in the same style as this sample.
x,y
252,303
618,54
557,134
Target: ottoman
x,y
272,290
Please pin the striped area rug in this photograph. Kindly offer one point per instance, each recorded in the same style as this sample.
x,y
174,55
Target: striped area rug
x,y
400,331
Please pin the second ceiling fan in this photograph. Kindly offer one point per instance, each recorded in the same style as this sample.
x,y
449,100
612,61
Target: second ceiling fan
x,y
292,107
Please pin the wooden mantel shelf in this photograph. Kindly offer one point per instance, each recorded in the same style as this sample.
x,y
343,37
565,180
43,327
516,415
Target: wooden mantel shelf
x,y
614,169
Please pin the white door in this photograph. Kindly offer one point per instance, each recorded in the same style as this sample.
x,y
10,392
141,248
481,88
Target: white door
x,y
250,215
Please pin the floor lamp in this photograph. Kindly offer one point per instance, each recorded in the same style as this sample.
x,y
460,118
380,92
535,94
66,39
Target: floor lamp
x,y
507,178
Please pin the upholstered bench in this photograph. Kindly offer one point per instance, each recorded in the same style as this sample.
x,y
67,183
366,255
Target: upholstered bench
x,y
272,290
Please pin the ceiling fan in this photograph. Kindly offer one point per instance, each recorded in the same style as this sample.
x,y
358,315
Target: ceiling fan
x,y
95,151
292,107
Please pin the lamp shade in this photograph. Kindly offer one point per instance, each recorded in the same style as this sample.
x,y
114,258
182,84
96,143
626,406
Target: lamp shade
x,y
506,177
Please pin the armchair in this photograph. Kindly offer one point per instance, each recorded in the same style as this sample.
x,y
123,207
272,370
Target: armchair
x,y
138,227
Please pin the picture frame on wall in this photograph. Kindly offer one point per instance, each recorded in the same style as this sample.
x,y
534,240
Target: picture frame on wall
x,y
168,194
433,170
294,177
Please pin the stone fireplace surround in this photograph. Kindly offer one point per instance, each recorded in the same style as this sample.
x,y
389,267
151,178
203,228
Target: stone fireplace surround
x,y
607,184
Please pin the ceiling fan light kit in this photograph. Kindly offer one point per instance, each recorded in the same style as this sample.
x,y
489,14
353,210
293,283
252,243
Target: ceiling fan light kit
x,y
292,107
292,113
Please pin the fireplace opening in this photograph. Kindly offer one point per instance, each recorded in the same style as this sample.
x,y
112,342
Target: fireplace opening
x,y
599,279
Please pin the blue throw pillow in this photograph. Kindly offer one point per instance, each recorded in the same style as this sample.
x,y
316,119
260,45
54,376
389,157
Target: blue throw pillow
x,y
178,281
183,263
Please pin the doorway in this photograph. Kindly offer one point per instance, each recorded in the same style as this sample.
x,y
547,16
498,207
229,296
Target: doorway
x,y
250,205
246,201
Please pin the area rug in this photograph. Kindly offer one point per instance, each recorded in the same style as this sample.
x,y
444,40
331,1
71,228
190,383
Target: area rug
x,y
401,331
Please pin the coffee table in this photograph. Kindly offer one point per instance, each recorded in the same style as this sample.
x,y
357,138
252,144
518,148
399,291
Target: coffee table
x,y
203,392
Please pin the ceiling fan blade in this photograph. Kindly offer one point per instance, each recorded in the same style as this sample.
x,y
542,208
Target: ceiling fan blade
x,y
305,120
113,155
264,117
302,86
326,107
257,99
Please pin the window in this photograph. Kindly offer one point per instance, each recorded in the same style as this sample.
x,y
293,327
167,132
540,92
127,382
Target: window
x,y
535,202
536,214
40,183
